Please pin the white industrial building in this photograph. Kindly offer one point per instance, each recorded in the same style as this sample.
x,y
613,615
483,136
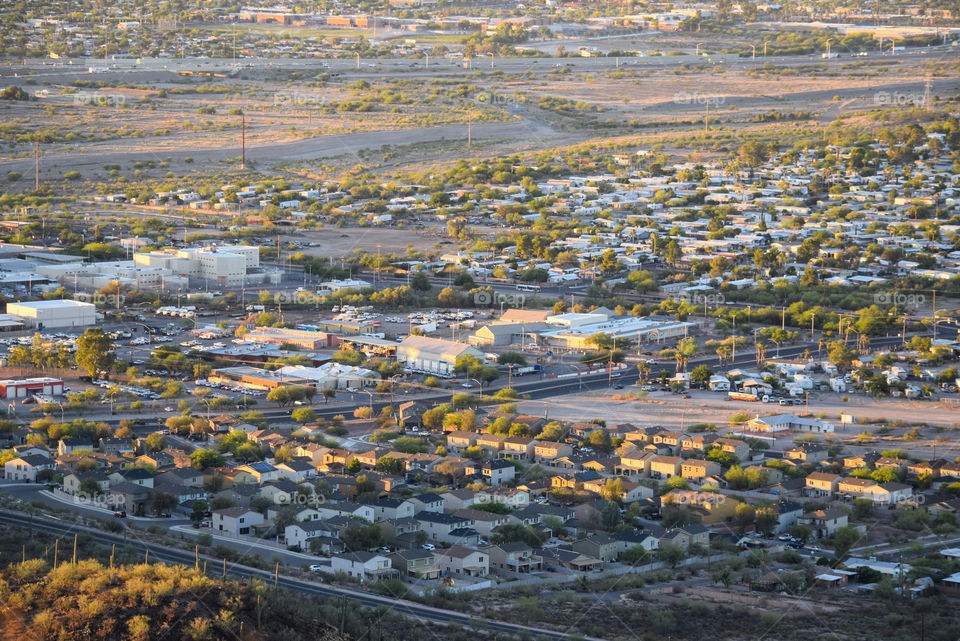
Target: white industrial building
x,y
54,314
331,375
433,355
223,266
126,272
574,329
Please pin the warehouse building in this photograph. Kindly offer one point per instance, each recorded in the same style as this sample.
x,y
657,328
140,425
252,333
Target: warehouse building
x,y
300,338
332,375
54,314
433,355
31,387
255,378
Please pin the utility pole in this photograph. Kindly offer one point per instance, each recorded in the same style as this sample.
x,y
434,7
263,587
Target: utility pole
x,y
36,165
243,141
469,131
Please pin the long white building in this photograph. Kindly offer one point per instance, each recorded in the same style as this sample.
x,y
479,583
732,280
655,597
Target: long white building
x,y
224,266
54,314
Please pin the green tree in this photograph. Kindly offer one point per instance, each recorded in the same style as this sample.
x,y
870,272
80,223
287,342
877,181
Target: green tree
x,y
672,555
197,514
204,459
303,415
163,502
94,352
390,465
844,540
701,374
636,555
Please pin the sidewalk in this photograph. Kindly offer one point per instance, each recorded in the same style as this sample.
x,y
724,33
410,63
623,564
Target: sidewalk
x,y
254,543
72,501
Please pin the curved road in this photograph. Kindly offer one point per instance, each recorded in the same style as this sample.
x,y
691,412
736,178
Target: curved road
x,y
172,555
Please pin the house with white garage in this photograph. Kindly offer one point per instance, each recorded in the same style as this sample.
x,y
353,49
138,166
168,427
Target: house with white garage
x,y
458,559
365,566
317,536
25,468
236,521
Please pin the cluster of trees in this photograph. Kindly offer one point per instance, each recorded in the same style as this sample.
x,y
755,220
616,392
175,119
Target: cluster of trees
x,y
284,395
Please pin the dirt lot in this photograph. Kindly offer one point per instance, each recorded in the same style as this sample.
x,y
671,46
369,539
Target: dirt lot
x,y
290,121
672,412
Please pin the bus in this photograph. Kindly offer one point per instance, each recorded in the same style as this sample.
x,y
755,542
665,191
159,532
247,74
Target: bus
x,y
526,287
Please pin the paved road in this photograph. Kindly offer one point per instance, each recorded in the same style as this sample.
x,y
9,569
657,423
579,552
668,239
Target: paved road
x,y
171,555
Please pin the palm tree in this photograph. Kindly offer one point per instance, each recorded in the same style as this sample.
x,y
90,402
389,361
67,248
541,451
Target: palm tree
x,y
761,353
644,371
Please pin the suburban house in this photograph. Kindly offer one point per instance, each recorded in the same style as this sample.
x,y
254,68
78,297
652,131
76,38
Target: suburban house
x,y
448,528
417,563
879,493
514,557
684,537
822,484
238,521
72,482
598,546
259,473
784,422
570,559
302,535
460,440
664,467
25,468
296,471
497,472
696,469
546,451
458,559
824,523
365,566
518,447
635,463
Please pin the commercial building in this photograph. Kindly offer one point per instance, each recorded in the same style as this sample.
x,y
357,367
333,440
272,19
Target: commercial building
x,y
54,314
331,375
574,330
433,355
222,266
31,387
303,339
254,378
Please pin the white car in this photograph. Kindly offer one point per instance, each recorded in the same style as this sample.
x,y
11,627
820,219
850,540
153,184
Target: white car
x,y
429,546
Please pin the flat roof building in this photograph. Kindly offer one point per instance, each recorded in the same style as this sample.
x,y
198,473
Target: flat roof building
x,y
54,314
